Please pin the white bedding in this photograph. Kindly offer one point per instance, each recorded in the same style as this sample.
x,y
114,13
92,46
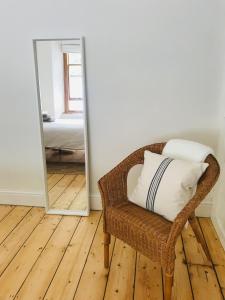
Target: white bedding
x,y
64,134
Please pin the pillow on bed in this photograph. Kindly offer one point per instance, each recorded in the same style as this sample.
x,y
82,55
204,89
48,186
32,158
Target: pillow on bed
x,y
165,184
46,117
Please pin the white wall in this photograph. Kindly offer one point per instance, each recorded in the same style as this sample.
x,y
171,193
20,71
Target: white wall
x,y
218,211
154,71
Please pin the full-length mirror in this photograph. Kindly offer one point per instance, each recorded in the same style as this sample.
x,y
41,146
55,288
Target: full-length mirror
x,y
63,111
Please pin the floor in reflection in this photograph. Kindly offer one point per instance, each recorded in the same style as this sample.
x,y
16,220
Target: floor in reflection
x,y
67,191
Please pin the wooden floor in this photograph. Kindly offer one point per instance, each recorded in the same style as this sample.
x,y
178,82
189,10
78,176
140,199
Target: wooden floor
x,y
61,258
67,191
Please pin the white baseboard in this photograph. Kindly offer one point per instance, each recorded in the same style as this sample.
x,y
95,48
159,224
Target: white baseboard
x,y
35,199
21,198
204,209
66,212
219,229
96,202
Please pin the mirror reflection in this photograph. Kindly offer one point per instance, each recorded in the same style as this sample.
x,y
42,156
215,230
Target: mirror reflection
x,y
63,111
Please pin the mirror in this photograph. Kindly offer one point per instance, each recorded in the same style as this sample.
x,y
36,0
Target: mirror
x,y
60,73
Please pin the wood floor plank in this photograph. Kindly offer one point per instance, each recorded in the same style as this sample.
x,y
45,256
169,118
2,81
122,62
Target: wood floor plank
x,y
70,193
148,280
203,278
18,236
53,180
80,202
181,277
204,283
11,221
37,282
19,268
94,272
193,250
64,284
120,283
59,188
216,250
5,210
49,175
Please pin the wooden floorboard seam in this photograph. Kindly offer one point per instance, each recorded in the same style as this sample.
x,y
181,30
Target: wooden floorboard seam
x,y
162,282
185,255
83,185
61,259
15,225
87,255
21,245
213,266
38,256
7,213
63,190
135,269
56,182
110,262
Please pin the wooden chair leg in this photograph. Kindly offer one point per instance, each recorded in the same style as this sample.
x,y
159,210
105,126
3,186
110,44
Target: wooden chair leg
x,y
168,284
199,236
107,239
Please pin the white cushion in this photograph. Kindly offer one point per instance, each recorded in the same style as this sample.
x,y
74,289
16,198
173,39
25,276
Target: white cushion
x,y
188,150
166,185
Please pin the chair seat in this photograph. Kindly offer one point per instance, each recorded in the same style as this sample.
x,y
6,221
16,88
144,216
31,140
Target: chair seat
x,y
138,227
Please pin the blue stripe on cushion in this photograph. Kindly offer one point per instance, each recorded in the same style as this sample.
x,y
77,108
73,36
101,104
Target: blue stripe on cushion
x,y
154,185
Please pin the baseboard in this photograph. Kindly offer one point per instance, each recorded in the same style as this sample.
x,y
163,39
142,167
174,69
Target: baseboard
x,y
219,229
96,202
36,199
21,198
204,209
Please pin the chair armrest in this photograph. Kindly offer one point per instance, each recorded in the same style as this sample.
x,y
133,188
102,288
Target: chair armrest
x,y
113,186
205,185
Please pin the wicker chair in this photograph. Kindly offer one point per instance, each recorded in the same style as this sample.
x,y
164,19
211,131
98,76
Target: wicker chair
x,y
145,231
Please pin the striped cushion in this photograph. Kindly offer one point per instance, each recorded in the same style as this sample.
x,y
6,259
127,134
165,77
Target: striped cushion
x,y
166,185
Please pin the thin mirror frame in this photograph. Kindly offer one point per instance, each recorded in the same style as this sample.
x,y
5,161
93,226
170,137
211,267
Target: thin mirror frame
x,y
47,209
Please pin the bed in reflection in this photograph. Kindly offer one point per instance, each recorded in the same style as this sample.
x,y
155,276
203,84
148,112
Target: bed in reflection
x,y
64,134
64,143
